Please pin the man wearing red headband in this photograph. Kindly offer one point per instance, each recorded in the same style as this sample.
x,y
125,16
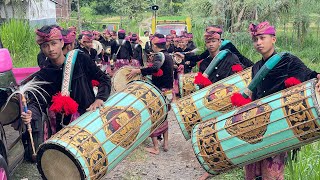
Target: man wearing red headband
x,y
289,67
51,43
86,38
136,49
106,42
162,77
195,58
169,43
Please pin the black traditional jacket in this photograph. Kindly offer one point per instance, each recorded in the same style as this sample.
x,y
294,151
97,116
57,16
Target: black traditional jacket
x,y
223,69
289,66
166,80
93,53
137,53
85,70
125,51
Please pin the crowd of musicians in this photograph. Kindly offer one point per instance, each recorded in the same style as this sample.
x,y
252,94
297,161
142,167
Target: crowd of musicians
x,y
163,57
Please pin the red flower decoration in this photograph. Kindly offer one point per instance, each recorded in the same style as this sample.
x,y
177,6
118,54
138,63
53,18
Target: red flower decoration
x,y
201,80
238,100
291,81
63,104
95,83
236,68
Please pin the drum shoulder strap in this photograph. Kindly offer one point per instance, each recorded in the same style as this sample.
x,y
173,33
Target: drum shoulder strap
x,y
69,62
162,56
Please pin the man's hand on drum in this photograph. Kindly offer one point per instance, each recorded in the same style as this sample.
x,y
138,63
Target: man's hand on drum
x,y
96,104
180,55
318,83
26,117
133,73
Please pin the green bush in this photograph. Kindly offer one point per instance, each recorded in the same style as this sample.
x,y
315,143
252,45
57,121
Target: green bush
x,y
19,38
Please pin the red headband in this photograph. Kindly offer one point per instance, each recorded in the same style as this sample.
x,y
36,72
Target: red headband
x,y
70,37
157,40
211,35
262,28
214,29
55,33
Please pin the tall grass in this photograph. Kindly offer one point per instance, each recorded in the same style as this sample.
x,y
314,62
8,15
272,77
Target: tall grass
x,y
19,38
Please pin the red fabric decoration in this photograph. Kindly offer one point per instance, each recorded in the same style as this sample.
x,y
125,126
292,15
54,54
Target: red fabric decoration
x,y
95,83
236,68
238,100
158,73
291,81
201,80
63,104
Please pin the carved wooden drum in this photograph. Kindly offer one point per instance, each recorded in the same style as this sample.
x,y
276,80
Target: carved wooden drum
x,y
277,123
186,84
119,79
209,102
96,142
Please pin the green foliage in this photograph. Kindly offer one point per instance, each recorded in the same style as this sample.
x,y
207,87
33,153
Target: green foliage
x,y
19,38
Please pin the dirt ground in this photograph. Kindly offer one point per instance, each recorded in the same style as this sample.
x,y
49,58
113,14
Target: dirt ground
x,y
178,163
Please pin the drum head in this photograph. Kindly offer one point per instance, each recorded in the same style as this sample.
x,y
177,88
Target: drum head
x,y
54,162
10,113
119,79
97,46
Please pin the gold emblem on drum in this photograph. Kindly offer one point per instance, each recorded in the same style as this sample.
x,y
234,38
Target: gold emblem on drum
x,y
188,85
250,122
188,112
298,113
123,124
210,147
218,97
88,146
151,100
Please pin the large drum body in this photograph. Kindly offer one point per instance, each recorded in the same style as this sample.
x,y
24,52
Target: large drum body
x,y
209,102
186,84
277,123
96,142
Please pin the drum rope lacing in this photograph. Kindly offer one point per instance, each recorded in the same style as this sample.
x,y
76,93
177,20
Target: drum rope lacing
x,y
157,98
298,124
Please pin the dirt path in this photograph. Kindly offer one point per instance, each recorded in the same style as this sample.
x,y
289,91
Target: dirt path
x,y
178,163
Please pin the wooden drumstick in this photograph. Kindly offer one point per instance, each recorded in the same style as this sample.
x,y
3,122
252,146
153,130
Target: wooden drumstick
x,y
29,128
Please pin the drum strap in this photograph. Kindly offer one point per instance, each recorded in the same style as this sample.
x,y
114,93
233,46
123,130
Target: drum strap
x,y
219,57
68,71
264,70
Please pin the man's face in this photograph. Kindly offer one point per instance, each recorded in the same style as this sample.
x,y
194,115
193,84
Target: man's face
x,y
114,37
183,43
213,44
264,43
52,49
97,36
87,44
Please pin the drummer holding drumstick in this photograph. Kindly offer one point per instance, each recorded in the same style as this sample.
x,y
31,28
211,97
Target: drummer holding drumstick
x,y
162,77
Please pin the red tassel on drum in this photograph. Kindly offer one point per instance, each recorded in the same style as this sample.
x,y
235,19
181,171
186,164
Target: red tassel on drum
x,y
291,81
63,104
238,100
95,83
201,80
236,68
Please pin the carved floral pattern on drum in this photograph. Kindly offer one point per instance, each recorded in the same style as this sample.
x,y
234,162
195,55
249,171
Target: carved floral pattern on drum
x,y
218,97
250,122
246,77
188,112
188,85
298,113
210,147
88,146
152,102
123,124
